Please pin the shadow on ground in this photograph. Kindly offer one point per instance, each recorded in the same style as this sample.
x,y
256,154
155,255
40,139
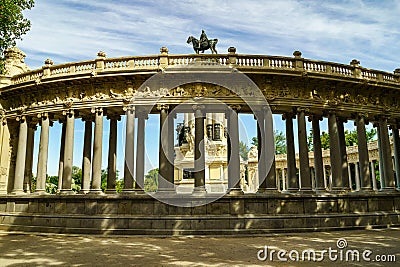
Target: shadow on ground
x,y
67,250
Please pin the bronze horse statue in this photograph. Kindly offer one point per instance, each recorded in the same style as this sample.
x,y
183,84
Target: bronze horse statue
x,y
210,44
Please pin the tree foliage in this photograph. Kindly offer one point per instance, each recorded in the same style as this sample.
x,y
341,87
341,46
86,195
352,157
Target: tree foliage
x,y
151,181
243,150
13,24
350,138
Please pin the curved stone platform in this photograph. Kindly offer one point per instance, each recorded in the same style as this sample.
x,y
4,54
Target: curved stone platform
x,y
297,198
239,215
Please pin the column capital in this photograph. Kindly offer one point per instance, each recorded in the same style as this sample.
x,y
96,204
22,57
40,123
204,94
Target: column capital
x,y
68,112
97,110
21,118
288,115
311,117
129,107
142,114
302,109
114,116
162,107
88,117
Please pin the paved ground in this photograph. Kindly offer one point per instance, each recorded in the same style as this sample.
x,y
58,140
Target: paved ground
x,y
67,250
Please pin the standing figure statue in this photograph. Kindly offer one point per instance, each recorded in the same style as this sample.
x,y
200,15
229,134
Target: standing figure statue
x,y
203,44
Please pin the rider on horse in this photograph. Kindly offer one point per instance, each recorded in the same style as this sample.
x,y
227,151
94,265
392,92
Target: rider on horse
x,y
203,39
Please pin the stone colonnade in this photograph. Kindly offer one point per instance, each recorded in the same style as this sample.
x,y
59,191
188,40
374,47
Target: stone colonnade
x,y
309,179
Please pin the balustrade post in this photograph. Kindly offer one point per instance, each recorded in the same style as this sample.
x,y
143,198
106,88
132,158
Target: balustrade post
x,y
46,68
163,58
292,181
299,61
21,156
357,73
43,153
232,56
101,56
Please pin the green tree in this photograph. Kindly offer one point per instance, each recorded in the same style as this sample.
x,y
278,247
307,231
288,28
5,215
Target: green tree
x,y
76,178
13,24
350,138
243,150
51,184
280,142
151,181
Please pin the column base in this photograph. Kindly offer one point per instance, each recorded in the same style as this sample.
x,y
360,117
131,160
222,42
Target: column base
x,y
40,192
139,191
268,191
95,192
199,191
235,191
111,191
306,191
291,191
387,190
18,192
66,192
127,191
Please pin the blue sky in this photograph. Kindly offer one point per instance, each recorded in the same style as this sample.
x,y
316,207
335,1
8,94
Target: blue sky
x,y
336,31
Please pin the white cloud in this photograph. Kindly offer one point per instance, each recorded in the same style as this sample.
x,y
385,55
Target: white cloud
x,y
327,30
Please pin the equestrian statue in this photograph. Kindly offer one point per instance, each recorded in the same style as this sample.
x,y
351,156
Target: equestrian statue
x,y
203,44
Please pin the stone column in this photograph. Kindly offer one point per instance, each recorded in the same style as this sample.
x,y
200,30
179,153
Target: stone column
x,y
68,152
350,178
386,156
61,159
112,154
325,178
396,150
87,154
233,155
374,184
140,159
283,180
43,154
97,151
293,182
261,136
129,166
357,176
365,183
343,153
166,177
335,154
199,150
29,157
269,151
380,162
303,152
317,147
21,156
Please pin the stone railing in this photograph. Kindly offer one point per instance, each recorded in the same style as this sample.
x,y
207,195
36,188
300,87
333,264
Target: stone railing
x,y
241,62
